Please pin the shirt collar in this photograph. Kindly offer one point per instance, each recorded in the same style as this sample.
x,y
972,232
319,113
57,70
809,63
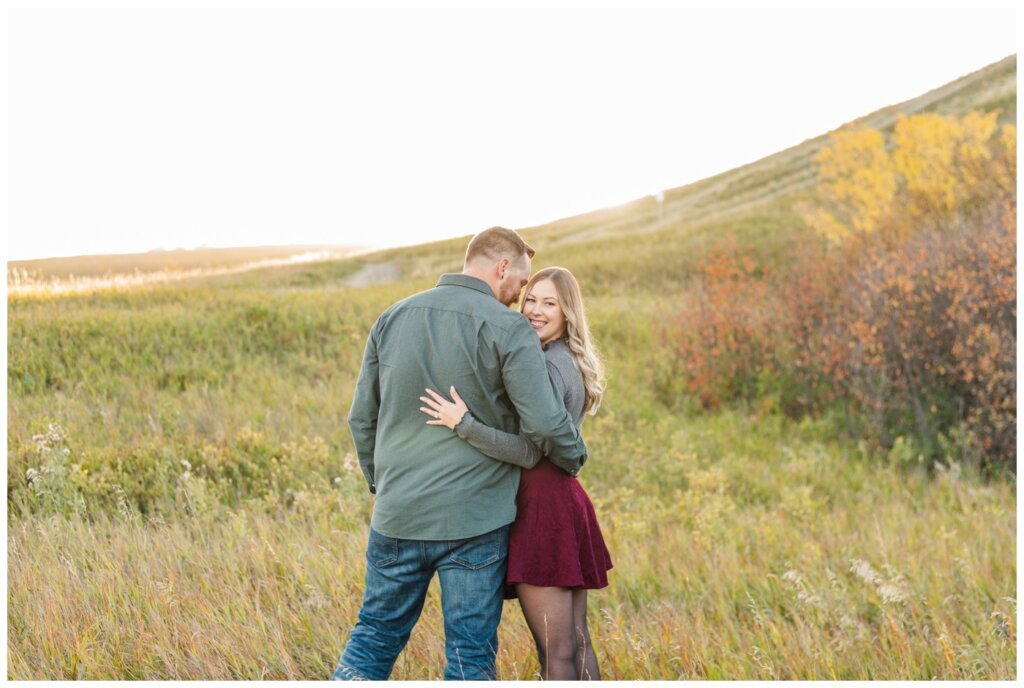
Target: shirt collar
x,y
556,342
457,279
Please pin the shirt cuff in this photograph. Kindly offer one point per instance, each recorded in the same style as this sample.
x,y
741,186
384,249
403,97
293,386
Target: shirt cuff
x,y
464,427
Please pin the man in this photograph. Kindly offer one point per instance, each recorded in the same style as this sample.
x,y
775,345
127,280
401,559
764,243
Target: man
x,y
440,504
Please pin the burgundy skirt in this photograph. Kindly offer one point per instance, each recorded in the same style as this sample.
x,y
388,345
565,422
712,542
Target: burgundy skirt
x,y
555,539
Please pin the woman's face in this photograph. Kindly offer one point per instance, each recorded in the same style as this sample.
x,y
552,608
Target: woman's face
x,y
542,308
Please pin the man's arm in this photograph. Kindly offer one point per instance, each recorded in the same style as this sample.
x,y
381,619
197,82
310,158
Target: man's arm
x,y
362,418
542,415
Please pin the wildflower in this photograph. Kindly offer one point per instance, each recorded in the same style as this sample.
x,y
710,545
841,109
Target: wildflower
x,y
864,571
891,593
349,463
53,436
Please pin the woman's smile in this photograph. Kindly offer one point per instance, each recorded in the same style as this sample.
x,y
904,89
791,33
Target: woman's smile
x,y
542,308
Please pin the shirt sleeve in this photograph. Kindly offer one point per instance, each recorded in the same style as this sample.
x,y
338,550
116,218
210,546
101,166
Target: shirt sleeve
x,y
542,415
557,382
362,418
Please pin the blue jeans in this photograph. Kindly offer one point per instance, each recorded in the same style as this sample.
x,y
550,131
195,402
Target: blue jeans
x,y
472,573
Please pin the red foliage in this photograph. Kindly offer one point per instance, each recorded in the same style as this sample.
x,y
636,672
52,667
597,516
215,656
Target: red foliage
x,y
917,337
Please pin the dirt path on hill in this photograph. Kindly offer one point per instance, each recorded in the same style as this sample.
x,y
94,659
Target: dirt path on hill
x,y
374,273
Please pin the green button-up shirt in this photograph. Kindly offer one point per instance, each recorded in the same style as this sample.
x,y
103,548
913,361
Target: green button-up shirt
x,y
429,483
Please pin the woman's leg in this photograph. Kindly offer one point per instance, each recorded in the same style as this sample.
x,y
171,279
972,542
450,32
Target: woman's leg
x,y
586,658
548,612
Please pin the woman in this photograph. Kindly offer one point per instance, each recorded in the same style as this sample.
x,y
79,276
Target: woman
x,y
556,550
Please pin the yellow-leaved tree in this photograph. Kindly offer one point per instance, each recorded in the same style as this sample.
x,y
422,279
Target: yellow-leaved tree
x,y
859,183
934,170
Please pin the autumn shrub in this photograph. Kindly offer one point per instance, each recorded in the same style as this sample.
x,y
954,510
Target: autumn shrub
x,y
917,310
923,340
726,333
898,308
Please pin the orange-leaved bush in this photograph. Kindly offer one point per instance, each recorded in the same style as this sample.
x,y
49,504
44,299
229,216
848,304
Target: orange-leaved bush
x,y
903,315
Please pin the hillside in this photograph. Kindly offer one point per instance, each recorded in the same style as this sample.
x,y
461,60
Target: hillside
x,y
754,201
789,172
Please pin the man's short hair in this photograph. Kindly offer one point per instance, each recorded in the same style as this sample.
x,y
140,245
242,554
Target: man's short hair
x,y
497,243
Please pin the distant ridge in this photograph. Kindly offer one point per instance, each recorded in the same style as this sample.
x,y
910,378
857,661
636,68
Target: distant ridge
x,y
173,260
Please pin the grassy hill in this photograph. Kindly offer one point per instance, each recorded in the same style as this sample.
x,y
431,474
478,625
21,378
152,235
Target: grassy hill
x,y
754,200
184,503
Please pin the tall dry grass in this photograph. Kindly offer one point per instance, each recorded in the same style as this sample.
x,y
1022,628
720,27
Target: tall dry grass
x,y
740,552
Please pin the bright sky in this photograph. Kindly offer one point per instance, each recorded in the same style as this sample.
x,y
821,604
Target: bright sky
x,y
136,129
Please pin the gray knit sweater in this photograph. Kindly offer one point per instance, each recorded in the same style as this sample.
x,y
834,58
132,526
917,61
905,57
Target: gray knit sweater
x,y
567,382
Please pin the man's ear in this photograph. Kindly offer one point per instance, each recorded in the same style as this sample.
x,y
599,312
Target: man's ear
x,y
503,265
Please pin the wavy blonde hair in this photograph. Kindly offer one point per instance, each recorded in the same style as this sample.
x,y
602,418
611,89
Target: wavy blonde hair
x,y
577,333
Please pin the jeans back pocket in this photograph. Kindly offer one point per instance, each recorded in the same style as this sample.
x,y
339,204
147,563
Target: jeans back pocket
x,y
481,550
382,550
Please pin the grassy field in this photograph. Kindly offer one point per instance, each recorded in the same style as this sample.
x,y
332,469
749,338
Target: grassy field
x,y
744,548
184,503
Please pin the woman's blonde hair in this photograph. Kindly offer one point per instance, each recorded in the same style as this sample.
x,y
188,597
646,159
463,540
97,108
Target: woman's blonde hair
x,y
577,333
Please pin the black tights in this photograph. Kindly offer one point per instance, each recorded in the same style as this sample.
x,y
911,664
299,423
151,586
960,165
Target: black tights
x,y
557,618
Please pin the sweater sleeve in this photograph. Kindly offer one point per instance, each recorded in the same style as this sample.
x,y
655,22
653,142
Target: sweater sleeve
x,y
561,391
503,446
